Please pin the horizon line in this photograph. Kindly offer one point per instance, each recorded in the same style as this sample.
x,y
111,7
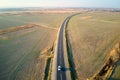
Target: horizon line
x,y
60,7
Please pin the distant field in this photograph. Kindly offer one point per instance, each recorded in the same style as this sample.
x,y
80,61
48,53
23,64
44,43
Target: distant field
x,y
18,19
92,35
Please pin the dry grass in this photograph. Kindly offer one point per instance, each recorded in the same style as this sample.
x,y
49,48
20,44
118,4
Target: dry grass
x,y
109,65
86,17
92,39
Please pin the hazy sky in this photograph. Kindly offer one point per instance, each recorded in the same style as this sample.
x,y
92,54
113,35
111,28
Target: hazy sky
x,y
60,3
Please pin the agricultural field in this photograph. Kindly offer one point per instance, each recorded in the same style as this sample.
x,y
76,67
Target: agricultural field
x,y
92,35
22,52
17,19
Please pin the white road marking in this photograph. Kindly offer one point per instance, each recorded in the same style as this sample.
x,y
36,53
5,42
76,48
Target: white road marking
x,y
61,76
60,53
60,59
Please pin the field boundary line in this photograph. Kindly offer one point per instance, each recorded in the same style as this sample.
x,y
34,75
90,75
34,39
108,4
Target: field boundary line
x,y
44,26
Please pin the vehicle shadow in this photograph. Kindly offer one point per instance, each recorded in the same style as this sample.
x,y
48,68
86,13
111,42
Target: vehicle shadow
x,y
65,69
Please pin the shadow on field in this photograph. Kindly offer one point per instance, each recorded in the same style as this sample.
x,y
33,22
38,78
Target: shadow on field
x,y
111,77
71,60
47,69
70,55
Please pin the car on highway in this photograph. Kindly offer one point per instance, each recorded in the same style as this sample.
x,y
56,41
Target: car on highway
x,y
59,68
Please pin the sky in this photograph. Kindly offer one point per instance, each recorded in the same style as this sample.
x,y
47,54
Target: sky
x,y
60,3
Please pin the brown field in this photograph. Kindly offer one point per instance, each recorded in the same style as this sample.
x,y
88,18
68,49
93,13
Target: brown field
x,y
86,17
92,35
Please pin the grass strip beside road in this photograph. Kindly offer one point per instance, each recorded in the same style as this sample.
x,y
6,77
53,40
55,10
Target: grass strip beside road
x,y
49,60
70,59
69,52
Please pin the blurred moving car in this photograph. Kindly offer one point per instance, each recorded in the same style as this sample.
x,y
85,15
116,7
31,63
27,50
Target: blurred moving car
x,y
59,68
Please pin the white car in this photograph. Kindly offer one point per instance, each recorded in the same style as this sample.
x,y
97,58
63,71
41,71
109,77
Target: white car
x,y
59,68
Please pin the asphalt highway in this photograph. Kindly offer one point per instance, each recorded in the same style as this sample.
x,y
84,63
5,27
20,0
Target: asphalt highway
x,y
60,57
59,54
61,75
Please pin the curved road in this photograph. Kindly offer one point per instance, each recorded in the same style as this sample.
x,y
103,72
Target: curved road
x,y
59,54
61,75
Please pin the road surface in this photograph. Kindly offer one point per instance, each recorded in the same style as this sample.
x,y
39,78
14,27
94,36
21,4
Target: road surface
x,y
61,75
59,54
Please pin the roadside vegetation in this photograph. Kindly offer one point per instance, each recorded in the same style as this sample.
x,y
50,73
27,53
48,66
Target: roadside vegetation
x,y
92,36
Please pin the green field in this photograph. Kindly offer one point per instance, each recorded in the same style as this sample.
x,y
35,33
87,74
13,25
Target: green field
x,y
21,52
92,35
13,20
